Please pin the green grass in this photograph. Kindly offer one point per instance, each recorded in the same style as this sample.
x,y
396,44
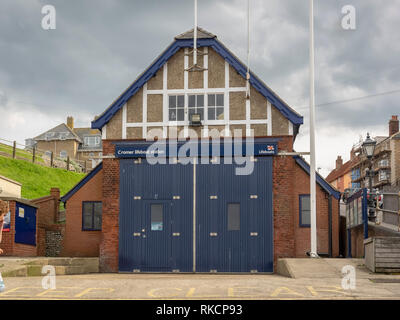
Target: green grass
x,y
37,180
19,153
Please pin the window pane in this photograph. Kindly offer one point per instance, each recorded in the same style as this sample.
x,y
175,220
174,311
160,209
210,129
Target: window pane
x,y
305,210
172,114
97,215
305,217
192,101
220,113
220,99
211,100
200,101
211,114
181,101
191,111
200,111
233,216
172,101
156,217
87,215
305,202
181,114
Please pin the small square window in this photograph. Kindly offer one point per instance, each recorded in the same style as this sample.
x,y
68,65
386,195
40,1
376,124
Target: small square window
x,y
91,216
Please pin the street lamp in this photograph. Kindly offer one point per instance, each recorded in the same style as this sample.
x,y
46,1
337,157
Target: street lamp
x,y
369,148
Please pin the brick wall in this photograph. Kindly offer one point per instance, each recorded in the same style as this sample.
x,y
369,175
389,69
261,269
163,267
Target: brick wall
x,y
110,234
79,243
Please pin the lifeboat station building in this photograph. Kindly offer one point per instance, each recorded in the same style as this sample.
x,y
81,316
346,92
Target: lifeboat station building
x,y
198,173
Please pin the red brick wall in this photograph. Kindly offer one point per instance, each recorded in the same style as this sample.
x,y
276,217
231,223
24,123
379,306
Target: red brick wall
x,y
8,245
79,243
110,234
302,234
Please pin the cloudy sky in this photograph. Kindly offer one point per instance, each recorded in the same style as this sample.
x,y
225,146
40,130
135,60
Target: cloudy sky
x,y
100,46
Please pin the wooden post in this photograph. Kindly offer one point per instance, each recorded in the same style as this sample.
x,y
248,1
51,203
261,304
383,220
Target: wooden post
x,y
33,154
68,163
14,149
85,166
52,159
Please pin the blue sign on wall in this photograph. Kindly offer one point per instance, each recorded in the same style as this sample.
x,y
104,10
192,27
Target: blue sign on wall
x,y
194,149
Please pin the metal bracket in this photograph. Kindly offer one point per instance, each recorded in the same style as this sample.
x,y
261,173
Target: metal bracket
x,y
136,270
213,271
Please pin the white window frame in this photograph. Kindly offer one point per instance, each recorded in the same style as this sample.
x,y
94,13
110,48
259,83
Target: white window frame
x,y
86,140
217,122
185,102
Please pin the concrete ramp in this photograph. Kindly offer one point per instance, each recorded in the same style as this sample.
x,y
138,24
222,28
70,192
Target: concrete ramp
x,y
28,267
318,268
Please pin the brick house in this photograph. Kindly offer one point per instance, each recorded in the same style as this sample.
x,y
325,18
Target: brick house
x,y
341,176
385,162
64,140
196,217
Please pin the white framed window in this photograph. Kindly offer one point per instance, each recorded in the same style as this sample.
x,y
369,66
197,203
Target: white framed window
x,y
215,107
176,108
63,135
384,163
63,154
383,175
92,141
196,105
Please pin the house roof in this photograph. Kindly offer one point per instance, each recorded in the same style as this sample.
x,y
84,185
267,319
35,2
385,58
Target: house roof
x,y
81,183
206,39
345,168
56,133
84,132
321,181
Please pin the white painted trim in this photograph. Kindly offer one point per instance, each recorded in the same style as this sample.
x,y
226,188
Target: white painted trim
x,y
207,123
205,66
144,124
197,90
185,92
290,128
165,100
124,116
248,117
227,100
104,132
269,119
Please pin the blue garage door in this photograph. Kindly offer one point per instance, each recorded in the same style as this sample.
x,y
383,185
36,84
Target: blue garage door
x,y
25,224
156,217
234,218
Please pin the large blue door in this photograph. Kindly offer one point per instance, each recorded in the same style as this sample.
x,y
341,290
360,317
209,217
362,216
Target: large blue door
x,y
234,218
156,217
25,224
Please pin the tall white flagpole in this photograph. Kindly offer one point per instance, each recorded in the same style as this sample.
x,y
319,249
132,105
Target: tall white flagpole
x,y
195,34
313,202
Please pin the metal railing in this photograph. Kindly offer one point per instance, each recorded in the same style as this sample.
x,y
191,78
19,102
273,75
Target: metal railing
x,y
388,214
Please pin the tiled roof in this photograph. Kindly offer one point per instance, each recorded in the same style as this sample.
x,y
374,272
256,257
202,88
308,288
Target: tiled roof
x,y
201,34
345,168
60,132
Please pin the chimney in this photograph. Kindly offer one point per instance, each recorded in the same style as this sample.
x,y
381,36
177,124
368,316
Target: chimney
x,y
393,126
339,162
55,193
70,122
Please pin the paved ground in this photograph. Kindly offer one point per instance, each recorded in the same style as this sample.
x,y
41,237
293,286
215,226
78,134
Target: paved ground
x,y
314,280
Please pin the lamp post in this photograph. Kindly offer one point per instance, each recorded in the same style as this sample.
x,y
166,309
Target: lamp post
x,y
369,148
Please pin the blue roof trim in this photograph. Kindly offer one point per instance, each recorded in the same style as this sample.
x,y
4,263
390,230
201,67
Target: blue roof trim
x,y
81,183
168,53
321,181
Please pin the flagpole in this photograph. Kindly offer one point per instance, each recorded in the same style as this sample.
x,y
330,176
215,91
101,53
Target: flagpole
x,y
313,202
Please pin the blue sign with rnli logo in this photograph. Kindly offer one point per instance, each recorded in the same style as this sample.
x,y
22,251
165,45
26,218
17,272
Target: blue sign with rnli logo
x,y
195,149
